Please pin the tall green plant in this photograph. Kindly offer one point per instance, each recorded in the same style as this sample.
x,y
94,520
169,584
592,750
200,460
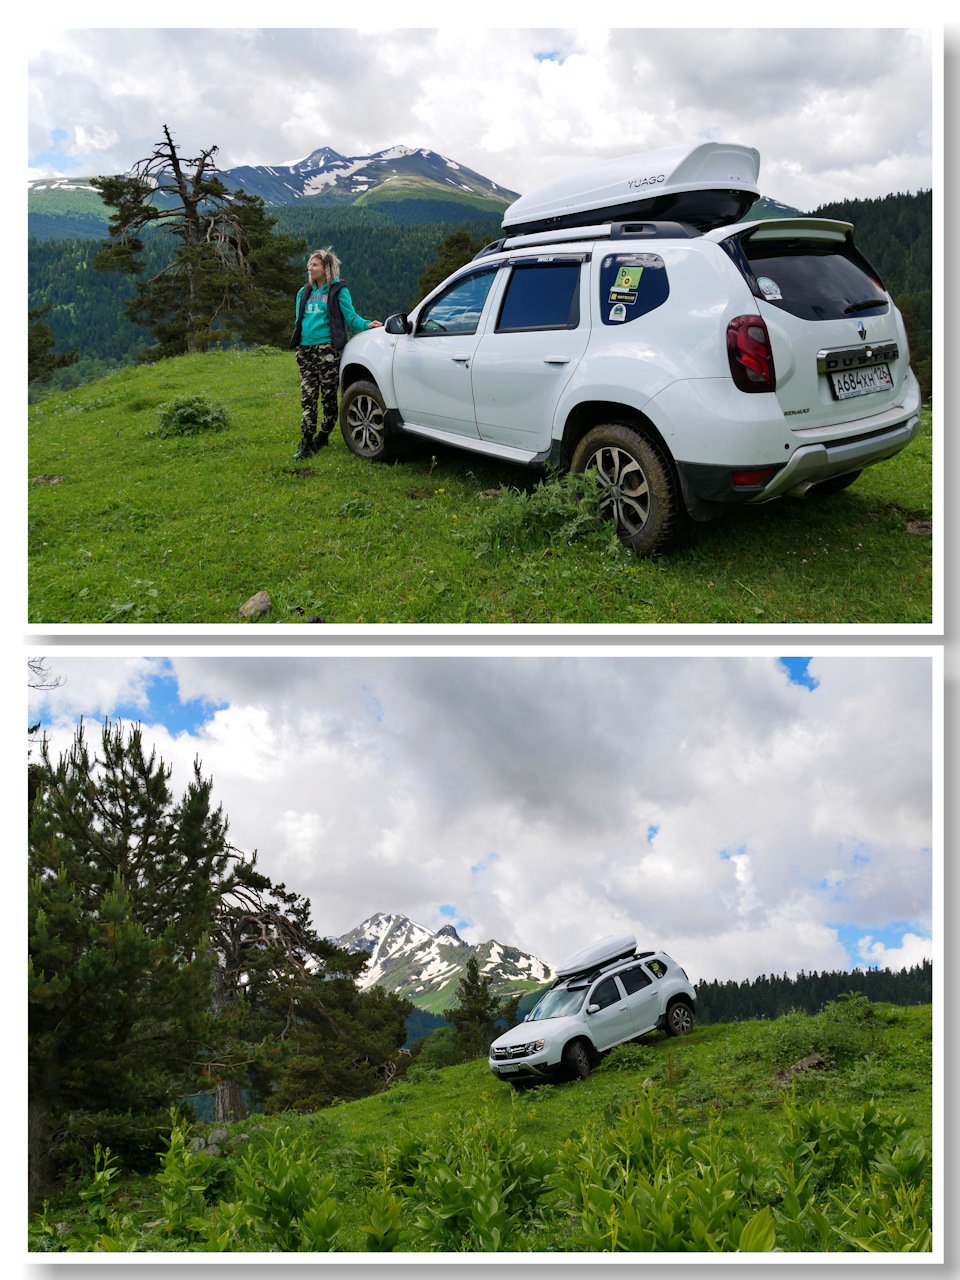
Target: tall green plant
x,y
124,881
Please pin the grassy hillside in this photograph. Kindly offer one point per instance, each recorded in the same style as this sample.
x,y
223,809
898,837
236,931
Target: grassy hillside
x,y
126,526
671,1146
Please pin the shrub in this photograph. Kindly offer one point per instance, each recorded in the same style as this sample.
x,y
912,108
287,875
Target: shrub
x,y
133,1139
629,1057
562,508
847,1030
189,415
442,1049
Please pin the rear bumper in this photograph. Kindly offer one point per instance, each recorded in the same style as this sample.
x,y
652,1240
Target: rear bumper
x,y
812,463
709,489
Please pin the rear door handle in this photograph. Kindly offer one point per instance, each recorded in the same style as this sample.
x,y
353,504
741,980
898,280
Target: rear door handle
x,y
556,359
465,360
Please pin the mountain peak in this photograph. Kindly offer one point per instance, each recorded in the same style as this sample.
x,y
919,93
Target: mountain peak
x,y
425,967
448,931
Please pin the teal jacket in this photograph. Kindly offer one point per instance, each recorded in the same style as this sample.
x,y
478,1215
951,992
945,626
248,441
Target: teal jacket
x,y
316,318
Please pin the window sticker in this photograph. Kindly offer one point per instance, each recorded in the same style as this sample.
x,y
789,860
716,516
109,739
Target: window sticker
x,y
769,288
627,279
631,285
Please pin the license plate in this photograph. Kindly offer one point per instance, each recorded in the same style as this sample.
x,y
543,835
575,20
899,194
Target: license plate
x,y
861,382
505,1070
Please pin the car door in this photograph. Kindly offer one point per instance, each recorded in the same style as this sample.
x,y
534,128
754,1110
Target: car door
x,y
432,365
524,360
611,1022
643,997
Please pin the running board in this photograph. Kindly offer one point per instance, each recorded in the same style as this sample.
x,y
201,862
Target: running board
x,y
506,452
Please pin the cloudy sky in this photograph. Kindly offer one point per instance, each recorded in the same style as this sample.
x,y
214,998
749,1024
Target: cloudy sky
x,y
747,813
835,112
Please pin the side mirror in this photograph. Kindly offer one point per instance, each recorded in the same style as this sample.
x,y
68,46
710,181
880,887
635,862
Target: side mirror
x,y
593,1008
399,323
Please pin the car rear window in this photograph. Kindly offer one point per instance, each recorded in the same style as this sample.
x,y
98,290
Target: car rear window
x,y
541,296
814,280
631,285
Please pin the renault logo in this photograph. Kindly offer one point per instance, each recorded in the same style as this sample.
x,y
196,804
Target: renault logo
x,y
861,329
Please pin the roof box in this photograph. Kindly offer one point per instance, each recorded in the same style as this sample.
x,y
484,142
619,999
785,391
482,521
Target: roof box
x,y
614,947
709,185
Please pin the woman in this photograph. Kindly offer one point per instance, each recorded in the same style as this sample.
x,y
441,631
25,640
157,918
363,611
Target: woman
x,y
325,320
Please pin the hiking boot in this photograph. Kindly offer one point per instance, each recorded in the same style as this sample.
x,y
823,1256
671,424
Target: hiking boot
x,y
322,440
308,446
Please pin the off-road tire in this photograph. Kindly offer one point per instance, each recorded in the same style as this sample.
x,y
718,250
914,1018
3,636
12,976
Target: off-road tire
x,y
576,1061
362,422
644,493
679,1019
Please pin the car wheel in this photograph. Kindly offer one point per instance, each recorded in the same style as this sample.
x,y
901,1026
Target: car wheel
x,y
836,484
576,1060
362,422
679,1019
643,495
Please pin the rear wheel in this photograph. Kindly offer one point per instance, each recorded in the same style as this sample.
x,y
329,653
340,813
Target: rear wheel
x,y
679,1019
642,493
576,1060
362,422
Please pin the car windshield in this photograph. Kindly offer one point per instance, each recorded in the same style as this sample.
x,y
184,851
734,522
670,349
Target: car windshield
x,y
559,1003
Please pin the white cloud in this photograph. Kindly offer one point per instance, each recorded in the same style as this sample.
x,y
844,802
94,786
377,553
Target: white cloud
x,y
913,950
388,783
835,113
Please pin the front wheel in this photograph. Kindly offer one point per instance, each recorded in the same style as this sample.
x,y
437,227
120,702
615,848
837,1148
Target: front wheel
x,y
642,492
576,1061
362,422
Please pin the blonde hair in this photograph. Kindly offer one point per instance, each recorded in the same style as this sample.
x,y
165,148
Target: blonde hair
x,y
330,261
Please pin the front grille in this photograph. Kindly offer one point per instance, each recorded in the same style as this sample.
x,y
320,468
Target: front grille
x,y
516,1051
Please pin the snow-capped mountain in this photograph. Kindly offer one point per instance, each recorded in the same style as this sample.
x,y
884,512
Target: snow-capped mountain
x,y
425,967
326,177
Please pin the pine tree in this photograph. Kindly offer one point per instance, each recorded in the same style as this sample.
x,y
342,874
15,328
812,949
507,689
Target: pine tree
x,y
42,363
124,880
477,1011
229,272
456,251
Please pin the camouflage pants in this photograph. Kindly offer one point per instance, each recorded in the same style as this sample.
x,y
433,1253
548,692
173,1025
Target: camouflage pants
x,y
319,380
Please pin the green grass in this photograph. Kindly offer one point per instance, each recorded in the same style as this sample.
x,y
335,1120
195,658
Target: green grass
x,y
126,526
712,1089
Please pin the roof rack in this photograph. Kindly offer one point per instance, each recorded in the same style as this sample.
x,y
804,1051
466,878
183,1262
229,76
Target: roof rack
x,y
600,231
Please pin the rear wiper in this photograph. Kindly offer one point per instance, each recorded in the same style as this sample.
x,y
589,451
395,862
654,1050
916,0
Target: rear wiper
x,y
863,304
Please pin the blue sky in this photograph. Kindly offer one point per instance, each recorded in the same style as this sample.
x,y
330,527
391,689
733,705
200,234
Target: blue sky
x,y
749,813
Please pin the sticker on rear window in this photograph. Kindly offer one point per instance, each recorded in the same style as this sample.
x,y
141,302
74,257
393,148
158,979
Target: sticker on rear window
x,y
631,285
769,288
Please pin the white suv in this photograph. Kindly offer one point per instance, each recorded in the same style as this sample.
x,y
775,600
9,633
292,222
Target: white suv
x,y
605,995
628,322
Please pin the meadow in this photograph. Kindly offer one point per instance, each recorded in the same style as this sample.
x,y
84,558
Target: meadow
x,y
131,525
672,1146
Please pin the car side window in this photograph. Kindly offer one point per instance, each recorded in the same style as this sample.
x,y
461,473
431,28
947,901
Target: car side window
x,y
606,994
541,296
634,979
657,967
457,309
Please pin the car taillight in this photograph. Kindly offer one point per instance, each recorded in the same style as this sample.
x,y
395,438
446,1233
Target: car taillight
x,y
748,350
747,478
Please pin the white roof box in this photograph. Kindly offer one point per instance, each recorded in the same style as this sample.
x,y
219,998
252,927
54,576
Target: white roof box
x,y
613,947
709,185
